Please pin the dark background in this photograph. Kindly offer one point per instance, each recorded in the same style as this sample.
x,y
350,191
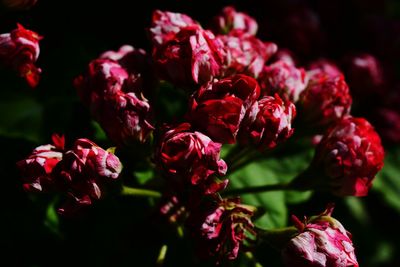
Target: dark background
x,y
115,232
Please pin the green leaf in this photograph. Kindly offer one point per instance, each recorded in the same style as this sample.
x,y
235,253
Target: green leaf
x,y
272,171
99,133
387,182
21,117
51,220
144,176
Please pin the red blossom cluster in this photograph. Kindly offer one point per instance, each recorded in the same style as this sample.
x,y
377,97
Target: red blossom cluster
x,y
244,92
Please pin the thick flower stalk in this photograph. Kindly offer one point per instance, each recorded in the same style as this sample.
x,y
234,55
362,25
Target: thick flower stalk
x,y
221,228
20,50
321,241
268,122
190,157
219,107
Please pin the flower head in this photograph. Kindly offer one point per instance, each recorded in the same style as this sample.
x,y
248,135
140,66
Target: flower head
x,y
349,155
219,107
192,56
166,24
84,170
231,20
221,228
325,100
186,154
284,79
36,170
19,50
321,241
247,54
268,122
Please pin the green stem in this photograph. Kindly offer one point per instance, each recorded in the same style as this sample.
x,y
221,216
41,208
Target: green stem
x,y
253,260
139,192
249,158
161,256
302,182
259,189
236,154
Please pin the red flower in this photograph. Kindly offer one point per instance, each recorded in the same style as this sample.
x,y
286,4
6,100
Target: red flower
x,y
115,99
325,101
247,54
349,155
269,122
125,117
137,63
185,154
323,67
20,50
36,170
166,24
230,20
193,56
283,78
322,241
218,108
84,170
220,227
104,77
364,74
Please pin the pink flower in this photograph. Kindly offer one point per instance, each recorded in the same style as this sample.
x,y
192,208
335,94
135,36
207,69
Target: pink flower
x,y
364,74
230,20
325,100
269,122
321,241
323,67
36,169
349,156
191,155
283,78
220,227
285,55
84,170
103,77
387,123
115,99
193,56
125,117
247,53
19,50
137,63
166,24
218,108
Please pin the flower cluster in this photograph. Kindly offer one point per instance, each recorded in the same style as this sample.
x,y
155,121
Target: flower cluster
x,y
81,172
239,91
